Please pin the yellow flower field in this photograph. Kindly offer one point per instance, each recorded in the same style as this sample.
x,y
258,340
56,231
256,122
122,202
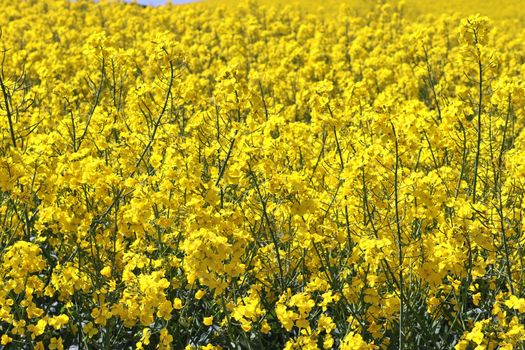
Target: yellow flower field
x,y
267,175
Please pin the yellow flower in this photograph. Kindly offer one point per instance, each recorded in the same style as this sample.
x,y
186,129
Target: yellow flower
x,y
177,304
164,310
516,303
476,334
475,298
199,294
58,322
165,338
56,344
38,328
5,339
106,271
265,327
208,321
90,330
146,332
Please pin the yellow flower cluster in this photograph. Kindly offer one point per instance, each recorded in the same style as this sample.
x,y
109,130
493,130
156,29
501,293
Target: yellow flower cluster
x,y
262,176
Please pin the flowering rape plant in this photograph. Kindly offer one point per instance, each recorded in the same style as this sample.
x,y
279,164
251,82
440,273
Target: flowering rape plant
x,y
260,176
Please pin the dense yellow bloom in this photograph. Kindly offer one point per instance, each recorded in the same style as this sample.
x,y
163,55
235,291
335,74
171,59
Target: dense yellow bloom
x,y
348,176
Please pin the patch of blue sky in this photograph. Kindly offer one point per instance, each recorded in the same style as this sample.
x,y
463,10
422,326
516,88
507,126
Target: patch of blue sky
x,y
162,2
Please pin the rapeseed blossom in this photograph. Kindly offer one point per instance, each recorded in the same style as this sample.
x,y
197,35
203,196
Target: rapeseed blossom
x,y
260,175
